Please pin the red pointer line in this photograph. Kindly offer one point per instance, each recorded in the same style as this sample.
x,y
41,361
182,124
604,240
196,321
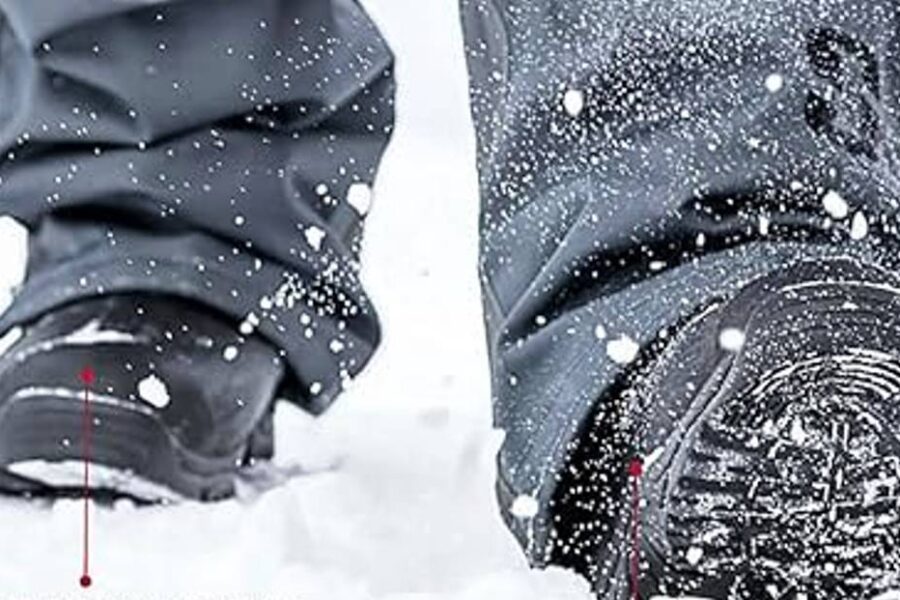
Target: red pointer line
x,y
87,378
635,470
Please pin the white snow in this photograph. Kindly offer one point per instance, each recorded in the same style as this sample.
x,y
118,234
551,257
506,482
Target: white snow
x,y
859,226
798,433
622,350
249,324
230,353
314,236
153,391
373,502
573,102
835,205
731,339
525,507
774,82
359,196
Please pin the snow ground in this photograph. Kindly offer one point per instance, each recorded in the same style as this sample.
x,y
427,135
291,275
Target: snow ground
x,y
396,499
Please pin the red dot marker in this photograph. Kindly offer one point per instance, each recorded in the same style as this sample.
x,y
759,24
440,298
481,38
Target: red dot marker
x,y
87,375
85,581
635,467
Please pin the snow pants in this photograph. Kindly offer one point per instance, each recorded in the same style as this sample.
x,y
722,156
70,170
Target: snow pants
x,y
637,160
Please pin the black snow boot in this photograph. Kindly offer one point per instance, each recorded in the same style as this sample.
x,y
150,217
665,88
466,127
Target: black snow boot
x,y
177,400
768,427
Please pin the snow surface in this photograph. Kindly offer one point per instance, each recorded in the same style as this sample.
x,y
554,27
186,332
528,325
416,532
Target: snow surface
x,y
389,495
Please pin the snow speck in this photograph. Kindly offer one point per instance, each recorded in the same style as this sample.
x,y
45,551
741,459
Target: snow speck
x,y
774,82
798,433
153,391
314,236
859,227
230,353
239,220
321,189
600,331
694,554
731,339
573,102
622,350
524,507
315,388
204,341
249,324
359,196
835,205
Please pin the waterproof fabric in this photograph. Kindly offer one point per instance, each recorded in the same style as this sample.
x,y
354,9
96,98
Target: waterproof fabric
x,y
636,160
202,149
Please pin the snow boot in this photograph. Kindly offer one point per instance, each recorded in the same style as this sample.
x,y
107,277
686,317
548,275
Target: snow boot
x,y
768,430
164,398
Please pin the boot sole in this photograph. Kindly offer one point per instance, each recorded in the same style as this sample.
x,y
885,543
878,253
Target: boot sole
x,y
774,472
48,425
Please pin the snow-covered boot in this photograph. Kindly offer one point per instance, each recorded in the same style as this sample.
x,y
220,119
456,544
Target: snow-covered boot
x,y
769,430
177,400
